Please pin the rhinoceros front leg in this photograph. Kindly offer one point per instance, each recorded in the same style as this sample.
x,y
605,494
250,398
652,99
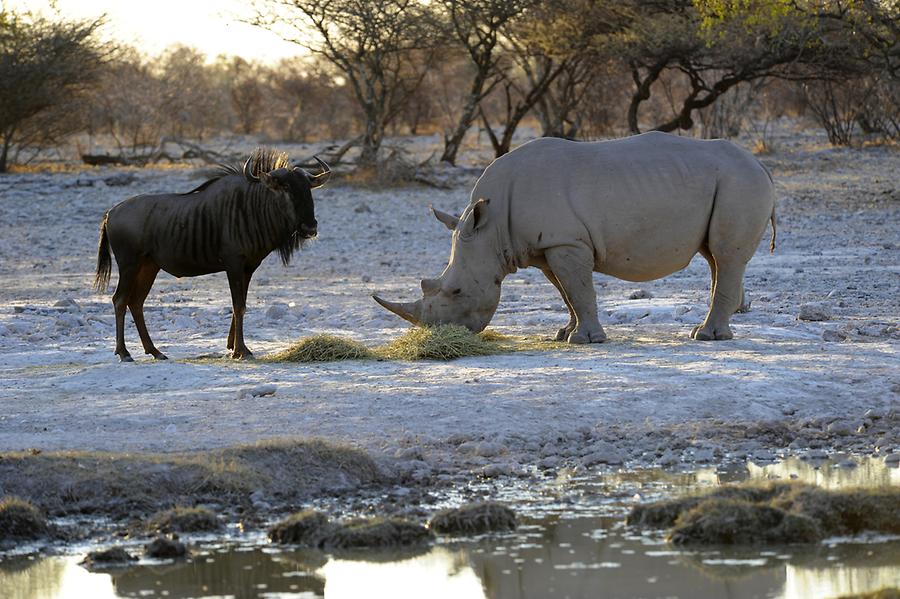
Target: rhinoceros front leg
x,y
563,333
573,268
727,295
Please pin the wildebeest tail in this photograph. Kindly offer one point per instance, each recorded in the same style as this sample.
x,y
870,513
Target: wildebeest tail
x,y
104,259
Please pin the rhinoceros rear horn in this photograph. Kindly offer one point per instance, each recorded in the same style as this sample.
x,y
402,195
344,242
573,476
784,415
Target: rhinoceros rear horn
x,y
410,311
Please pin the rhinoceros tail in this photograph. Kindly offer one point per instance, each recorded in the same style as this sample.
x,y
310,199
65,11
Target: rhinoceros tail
x,y
774,232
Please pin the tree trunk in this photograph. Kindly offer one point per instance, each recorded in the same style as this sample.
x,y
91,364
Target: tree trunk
x,y
4,153
453,143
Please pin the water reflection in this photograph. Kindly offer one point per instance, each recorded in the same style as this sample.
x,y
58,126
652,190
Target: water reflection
x,y
553,557
578,549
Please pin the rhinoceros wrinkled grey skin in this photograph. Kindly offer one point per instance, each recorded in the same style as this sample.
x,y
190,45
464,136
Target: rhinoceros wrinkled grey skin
x,y
638,209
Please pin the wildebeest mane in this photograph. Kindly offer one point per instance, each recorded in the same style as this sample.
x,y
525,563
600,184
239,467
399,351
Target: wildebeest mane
x,y
262,160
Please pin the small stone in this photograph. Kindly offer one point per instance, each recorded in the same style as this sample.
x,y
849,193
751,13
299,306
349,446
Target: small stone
x,y
763,455
839,427
277,311
163,548
833,335
874,329
258,391
67,303
362,208
892,458
874,414
816,454
639,294
120,179
815,311
487,449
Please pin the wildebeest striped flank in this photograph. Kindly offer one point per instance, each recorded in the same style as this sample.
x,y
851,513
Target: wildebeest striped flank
x,y
229,223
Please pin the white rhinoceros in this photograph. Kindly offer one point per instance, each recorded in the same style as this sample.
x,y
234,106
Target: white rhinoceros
x,y
637,208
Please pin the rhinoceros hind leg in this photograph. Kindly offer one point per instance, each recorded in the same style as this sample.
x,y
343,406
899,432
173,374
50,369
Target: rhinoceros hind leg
x,y
728,291
573,269
563,333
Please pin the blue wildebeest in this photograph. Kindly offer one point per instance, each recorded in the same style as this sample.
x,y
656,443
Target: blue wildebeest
x,y
229,223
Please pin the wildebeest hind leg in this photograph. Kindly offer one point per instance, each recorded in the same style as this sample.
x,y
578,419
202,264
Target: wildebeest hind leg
x,y
121,296
143,281
230,343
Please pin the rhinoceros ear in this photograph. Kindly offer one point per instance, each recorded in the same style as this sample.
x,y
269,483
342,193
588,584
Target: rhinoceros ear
x,y
448,220
476,218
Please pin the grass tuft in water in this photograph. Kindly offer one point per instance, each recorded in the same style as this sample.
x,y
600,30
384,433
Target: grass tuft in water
x,y
20,520
474,518
774,513
306,528
310,528
184,519
322,348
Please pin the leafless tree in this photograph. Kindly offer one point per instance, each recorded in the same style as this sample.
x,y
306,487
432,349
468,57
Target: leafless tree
x,y
45,66
383,48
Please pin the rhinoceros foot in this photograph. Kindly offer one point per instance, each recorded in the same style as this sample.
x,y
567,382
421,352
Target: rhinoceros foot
x,y
594,336
710,333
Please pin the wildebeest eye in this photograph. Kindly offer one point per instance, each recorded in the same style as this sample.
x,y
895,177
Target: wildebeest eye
x,y
456,291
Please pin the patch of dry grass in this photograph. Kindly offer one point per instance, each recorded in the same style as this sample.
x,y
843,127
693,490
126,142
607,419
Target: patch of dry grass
x,y
774,513
117,484
322,348
445,342
184,519
20,520
474,518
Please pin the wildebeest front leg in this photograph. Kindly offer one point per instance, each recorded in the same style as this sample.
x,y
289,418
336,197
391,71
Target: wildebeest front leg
x,y
563,333
239,282
573,268
230,343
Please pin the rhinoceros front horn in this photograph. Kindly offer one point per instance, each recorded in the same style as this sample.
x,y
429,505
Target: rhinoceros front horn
x,y
410,311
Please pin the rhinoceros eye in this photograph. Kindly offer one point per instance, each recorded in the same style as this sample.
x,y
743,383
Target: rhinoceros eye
x,y
456,292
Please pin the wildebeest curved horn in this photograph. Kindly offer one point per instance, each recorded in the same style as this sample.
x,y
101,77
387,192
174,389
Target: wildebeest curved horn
x,y
322,178
248,171
410,311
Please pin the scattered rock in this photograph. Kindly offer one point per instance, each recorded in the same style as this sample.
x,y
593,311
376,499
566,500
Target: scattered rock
x,y
833,335
258,391
67,303
20,520
183,519
639,294
362,208
120,179
163,548
892,459
874,329
488,449
277,311
815,311
108,558
474,518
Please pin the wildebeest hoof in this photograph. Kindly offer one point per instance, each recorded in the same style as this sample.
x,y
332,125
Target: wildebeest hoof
x,y
160,356
708,333
244,354
563,333
125,358
587,336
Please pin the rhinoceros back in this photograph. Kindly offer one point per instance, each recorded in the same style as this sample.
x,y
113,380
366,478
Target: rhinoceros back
x,y
643,203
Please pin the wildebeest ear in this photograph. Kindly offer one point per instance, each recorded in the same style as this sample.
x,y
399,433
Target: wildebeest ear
x,y
276,180
448,220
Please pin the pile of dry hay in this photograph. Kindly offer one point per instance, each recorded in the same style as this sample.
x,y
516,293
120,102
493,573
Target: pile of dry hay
x,y
444,342
323,348
774,513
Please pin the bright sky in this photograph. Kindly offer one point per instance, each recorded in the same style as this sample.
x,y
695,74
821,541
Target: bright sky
x,y
211,26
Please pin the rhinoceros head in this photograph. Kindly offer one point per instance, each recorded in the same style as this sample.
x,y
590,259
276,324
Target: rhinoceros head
x,y
468,291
